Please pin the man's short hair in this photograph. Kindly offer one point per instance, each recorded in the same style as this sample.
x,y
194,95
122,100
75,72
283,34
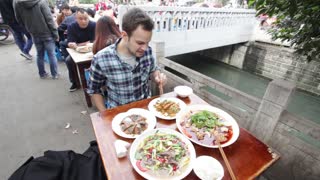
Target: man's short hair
x,y
135,17
81,10
65,6
74,9
91,12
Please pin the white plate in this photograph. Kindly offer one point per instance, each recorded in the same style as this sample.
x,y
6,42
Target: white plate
x,y
151,120
208,168
151,107
229,119
140,139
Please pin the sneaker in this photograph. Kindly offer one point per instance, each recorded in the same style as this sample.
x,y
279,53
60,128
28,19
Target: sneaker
x,y
44,76
56,76
27,56
73,88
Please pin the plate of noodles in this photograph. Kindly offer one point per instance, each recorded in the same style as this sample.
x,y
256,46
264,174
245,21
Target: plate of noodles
x,y
162,154
166,108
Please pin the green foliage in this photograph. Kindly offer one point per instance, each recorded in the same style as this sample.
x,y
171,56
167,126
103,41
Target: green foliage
x,y
88,1
298,21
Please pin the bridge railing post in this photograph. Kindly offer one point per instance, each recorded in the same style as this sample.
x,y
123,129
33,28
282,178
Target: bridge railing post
x,y
158,52
274,102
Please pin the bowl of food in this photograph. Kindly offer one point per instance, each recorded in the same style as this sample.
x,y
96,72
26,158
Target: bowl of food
x,y
183,91
208,168
207,125
84,49
162,154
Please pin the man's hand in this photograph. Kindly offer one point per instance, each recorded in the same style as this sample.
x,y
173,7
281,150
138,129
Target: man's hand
x,y
84,43
160,78
72,45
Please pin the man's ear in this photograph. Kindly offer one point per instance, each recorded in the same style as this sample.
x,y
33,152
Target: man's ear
x,y
123,34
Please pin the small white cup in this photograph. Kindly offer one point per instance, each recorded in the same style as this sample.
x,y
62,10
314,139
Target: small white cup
x,y
183,91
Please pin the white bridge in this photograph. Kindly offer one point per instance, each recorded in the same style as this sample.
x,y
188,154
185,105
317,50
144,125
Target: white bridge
x,y
187,29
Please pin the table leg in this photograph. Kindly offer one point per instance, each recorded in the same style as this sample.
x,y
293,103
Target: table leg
x,y
81,68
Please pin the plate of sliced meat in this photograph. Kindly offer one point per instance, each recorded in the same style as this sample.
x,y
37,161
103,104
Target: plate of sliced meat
x,y
134,122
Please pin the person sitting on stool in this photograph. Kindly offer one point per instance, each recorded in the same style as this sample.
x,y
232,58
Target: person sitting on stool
x,y
79,33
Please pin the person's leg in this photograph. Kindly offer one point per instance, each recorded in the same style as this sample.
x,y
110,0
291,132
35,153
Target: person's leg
x,y
40,47
63,48
50,48
29,42
71,68
70,65
18,35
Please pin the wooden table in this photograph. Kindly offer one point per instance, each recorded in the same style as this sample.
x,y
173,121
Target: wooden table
x,y
82,61
248,156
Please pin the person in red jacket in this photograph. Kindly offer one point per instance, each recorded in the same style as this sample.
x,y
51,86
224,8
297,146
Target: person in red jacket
x,y
101,5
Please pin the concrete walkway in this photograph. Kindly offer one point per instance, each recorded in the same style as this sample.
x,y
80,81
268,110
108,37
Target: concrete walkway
x,y
34,112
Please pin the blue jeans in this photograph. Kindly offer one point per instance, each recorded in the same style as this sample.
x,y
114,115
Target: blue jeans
x,y
42,45
19,33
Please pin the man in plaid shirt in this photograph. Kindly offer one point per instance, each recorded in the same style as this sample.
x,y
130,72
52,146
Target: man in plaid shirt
x,y
124,68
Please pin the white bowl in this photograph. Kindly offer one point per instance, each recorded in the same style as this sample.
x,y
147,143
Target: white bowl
x,y
183,91
207,167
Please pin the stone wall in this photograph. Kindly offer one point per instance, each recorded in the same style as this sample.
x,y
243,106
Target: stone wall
x,y
271,61
280,62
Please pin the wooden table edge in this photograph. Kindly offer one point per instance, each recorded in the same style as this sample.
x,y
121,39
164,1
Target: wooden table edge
x,y
265,167
96,114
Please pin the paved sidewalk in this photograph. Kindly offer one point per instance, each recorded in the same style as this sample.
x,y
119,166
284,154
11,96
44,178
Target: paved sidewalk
x,y
34,112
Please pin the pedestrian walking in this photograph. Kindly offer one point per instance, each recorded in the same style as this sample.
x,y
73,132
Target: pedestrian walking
x,y
21,36
36,16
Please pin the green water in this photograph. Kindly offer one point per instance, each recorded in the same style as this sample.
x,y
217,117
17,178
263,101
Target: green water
x,y
302,104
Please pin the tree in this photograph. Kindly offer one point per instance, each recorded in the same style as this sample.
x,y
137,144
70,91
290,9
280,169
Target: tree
x,y
298,21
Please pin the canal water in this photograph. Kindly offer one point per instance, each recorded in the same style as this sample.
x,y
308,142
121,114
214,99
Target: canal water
x,y
302,104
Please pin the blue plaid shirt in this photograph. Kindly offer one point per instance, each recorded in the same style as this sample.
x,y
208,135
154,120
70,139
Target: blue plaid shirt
x,y
124,83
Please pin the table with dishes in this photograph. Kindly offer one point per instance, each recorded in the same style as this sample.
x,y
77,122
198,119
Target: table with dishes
x,y
82,61
170,137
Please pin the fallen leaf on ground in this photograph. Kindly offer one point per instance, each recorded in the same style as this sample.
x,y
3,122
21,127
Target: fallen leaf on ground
x,y
75,131
68,125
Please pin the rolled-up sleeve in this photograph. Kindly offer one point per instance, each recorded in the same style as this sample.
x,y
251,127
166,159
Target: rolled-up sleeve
x,y
97,79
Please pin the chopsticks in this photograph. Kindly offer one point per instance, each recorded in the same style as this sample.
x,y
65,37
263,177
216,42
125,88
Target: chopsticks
x,y
160,89
160,86
225,159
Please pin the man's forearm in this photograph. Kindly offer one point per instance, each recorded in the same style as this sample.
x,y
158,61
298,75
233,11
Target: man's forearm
x,y
99,102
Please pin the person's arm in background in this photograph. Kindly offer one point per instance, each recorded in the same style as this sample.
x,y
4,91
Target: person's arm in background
x,y
71,40
92,33
17,12
63,25
95,82
49,19
60,18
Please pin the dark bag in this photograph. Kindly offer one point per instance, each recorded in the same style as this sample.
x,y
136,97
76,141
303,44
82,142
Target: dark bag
x,y
63,165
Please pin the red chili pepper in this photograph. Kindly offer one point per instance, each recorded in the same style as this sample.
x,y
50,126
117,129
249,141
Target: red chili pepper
x,y
138,163
162,160
186,133
175,167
